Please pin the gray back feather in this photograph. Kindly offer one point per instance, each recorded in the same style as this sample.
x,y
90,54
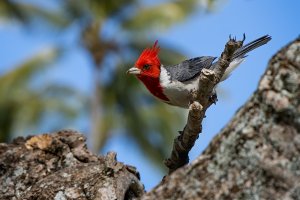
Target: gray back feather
x,y
189,69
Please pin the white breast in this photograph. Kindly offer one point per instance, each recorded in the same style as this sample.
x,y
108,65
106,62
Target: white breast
x,y
177,92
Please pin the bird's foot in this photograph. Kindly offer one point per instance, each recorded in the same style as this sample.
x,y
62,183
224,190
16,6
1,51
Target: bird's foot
x,y
213,98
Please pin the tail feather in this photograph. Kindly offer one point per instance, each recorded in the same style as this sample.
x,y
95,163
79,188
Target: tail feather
x,y
241,52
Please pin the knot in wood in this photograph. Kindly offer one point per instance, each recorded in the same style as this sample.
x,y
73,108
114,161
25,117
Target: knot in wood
x,y
195,106
209,74
232,46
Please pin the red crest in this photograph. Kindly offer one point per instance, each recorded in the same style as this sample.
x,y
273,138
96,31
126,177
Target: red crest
x,y
149,56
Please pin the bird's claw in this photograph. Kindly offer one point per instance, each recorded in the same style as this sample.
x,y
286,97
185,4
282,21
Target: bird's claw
x,y
213,98
234,38
244,38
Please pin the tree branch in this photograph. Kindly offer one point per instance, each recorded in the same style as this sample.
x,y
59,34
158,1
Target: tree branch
x,y
208,79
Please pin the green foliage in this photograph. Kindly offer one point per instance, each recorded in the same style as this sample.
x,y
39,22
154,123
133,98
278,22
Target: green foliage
x,y
26,13
123,102
159,16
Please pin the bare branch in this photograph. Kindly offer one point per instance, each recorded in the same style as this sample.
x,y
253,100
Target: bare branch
x,y
201,101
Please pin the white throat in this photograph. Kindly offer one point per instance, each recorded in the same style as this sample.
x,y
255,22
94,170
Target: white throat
x,y
164,76
177,92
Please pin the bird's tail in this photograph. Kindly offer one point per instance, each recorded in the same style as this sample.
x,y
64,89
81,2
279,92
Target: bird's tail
x,y
240,54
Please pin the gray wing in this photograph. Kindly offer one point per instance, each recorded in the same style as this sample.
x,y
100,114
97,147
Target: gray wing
x,y
189,69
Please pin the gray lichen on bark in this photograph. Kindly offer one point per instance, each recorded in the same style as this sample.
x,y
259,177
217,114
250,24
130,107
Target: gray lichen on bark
x,y
59,166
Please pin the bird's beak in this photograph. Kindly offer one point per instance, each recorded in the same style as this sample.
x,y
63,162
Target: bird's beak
x,y
133,70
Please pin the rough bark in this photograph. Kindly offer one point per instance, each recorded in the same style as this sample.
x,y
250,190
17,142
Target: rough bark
x,y
257,155
58,166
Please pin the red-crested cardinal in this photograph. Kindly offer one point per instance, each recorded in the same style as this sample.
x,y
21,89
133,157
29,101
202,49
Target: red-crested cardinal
x,y
173,84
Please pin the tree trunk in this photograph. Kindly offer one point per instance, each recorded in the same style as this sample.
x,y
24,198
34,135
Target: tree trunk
x,y
257,156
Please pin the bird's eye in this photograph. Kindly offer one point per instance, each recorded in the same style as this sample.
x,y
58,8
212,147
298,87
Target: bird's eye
x,y
146,66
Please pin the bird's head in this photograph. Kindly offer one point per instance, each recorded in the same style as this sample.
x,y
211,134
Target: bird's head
x,y
147,70
148,64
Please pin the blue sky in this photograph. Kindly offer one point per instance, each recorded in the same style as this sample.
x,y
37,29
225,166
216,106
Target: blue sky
x,y
201,34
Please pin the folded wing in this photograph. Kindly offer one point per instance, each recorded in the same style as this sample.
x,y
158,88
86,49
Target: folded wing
x,y
189,69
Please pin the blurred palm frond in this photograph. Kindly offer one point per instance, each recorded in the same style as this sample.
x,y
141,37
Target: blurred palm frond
x,y
120,102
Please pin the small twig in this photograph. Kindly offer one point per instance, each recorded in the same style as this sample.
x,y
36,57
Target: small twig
x,y
209,78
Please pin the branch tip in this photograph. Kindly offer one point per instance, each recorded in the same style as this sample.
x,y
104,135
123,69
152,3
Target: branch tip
x,y
195,107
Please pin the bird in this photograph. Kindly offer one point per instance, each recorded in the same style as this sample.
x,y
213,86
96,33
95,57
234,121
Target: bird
x,y
173,84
